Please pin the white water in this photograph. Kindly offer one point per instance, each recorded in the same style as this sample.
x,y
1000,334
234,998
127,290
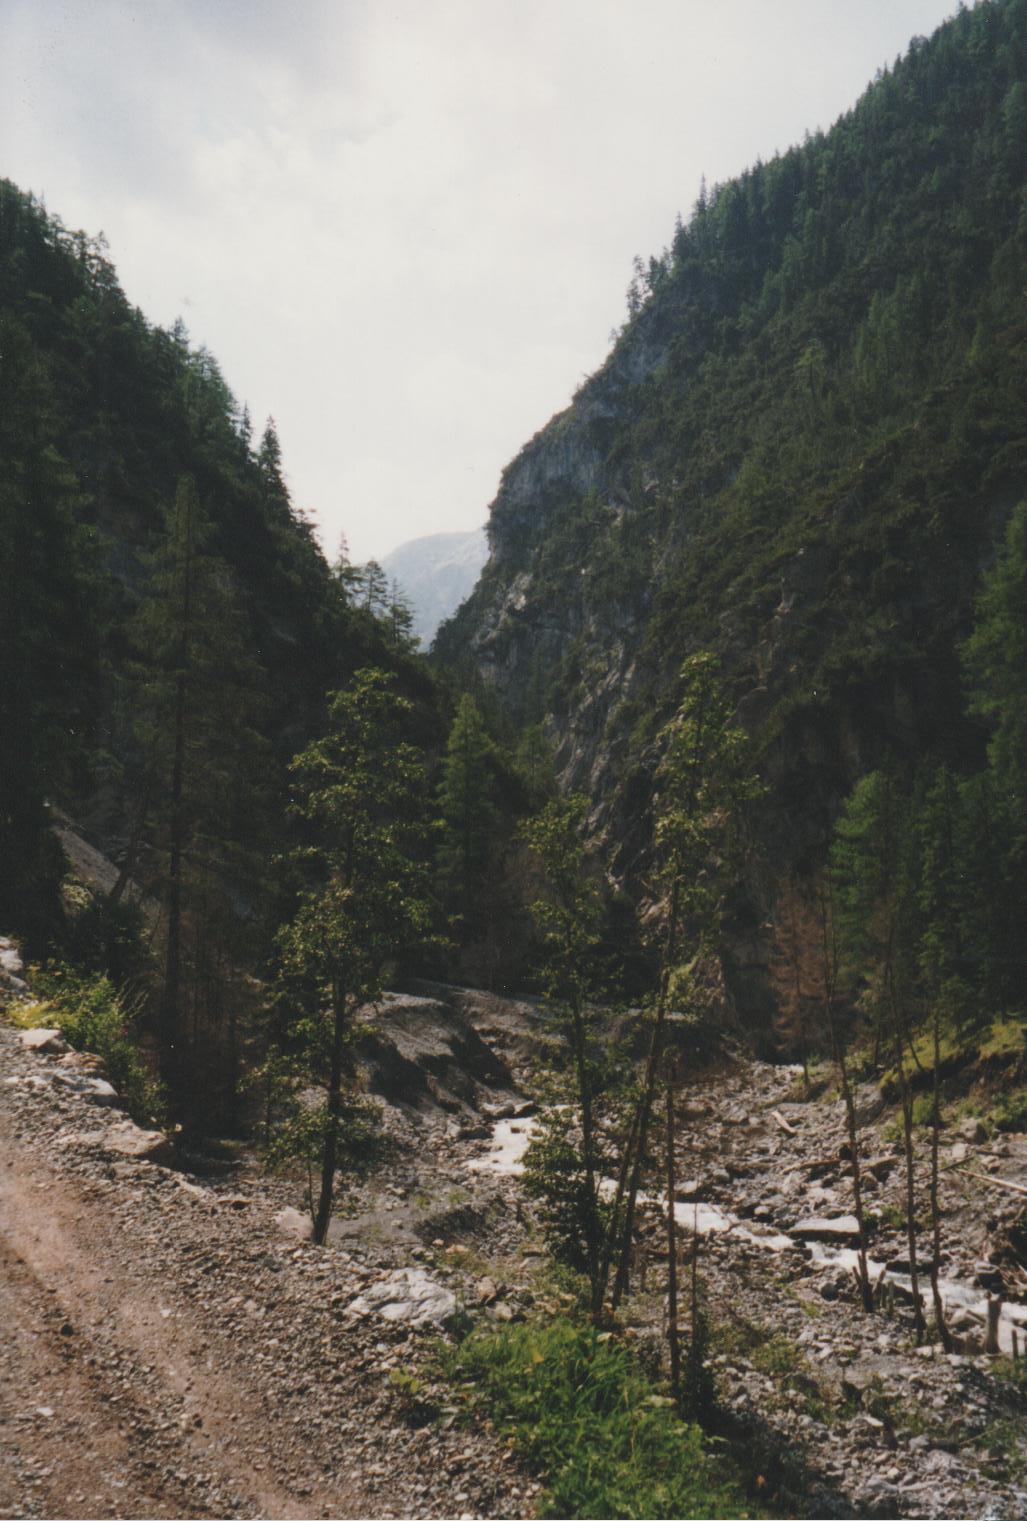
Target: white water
x,y
505,1158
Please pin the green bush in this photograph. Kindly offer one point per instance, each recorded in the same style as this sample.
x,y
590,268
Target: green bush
x,y
1010,1113
92,1016
592,1425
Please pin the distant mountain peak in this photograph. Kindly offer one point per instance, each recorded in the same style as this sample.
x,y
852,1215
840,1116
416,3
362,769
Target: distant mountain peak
x,y
437,573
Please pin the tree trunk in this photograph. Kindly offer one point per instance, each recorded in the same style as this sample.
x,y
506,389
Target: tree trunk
x,y
588,1149
171,1001
838,1052
899,1038
672,1253
646,1103
939,1309
331,1142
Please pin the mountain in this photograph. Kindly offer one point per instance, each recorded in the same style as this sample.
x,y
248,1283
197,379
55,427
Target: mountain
x,y
800,453
436,573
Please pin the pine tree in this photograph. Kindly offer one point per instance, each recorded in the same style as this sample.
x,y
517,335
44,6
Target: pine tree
x,y
197,702
362,792
50,607
569,918
469,816
875,886
704,780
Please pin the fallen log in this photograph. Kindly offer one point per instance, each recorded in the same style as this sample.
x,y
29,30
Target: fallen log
x,y
982,1177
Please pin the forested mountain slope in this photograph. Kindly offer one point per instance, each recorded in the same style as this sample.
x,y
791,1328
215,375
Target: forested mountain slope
x,y
130,483
801,453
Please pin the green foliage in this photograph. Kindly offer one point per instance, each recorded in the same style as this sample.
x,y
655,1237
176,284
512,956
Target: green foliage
x,y
555,1174
48,632
572,1152
1010,1113
467,842
93,1016
583,1415
809,433
704,780
364,901
363,787
301,1128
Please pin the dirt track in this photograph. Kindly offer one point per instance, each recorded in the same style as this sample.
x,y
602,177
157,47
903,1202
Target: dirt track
x,y
167,1351
142,1423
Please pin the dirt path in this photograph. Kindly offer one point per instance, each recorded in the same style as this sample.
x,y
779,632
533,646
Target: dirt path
x,y
168,1351
141,1422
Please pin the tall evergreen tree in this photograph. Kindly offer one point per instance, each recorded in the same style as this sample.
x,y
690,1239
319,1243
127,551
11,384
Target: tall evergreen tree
x,y
197,702
469,816
362,790
50,606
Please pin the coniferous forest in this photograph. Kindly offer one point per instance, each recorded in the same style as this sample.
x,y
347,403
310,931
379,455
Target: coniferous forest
x,y
723,762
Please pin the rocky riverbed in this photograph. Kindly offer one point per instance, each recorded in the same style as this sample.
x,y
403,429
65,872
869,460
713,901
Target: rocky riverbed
x,y
180,1348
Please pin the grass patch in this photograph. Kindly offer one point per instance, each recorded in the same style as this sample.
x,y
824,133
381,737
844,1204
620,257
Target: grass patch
x,y
584,1417
92,1016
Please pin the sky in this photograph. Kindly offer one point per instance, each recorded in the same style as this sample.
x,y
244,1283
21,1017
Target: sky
x,y
405,227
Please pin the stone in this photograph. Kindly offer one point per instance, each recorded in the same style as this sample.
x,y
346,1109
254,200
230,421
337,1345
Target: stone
x,y
294,1224
43,1040
835,1228
193,1190
83,1061
129,1140
868,1102
96,1089
408,1295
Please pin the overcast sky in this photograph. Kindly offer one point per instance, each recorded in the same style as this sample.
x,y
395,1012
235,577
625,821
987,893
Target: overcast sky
x,y
405,227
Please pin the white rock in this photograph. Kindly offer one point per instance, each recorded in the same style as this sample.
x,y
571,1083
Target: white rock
x,y
96,1089
43,1040
836,1228
294,1223
408,1295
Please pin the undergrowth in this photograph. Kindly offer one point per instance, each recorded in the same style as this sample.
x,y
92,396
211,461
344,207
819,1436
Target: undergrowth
x,y
602,1437
93,1016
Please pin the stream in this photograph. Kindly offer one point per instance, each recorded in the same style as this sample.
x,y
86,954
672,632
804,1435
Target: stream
x,y
505,1158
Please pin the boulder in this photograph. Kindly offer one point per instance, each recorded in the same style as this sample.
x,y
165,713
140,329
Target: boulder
x,y
409,1295
868,1102
838,1229
294,1223
43,1040
96,1089
129,1140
